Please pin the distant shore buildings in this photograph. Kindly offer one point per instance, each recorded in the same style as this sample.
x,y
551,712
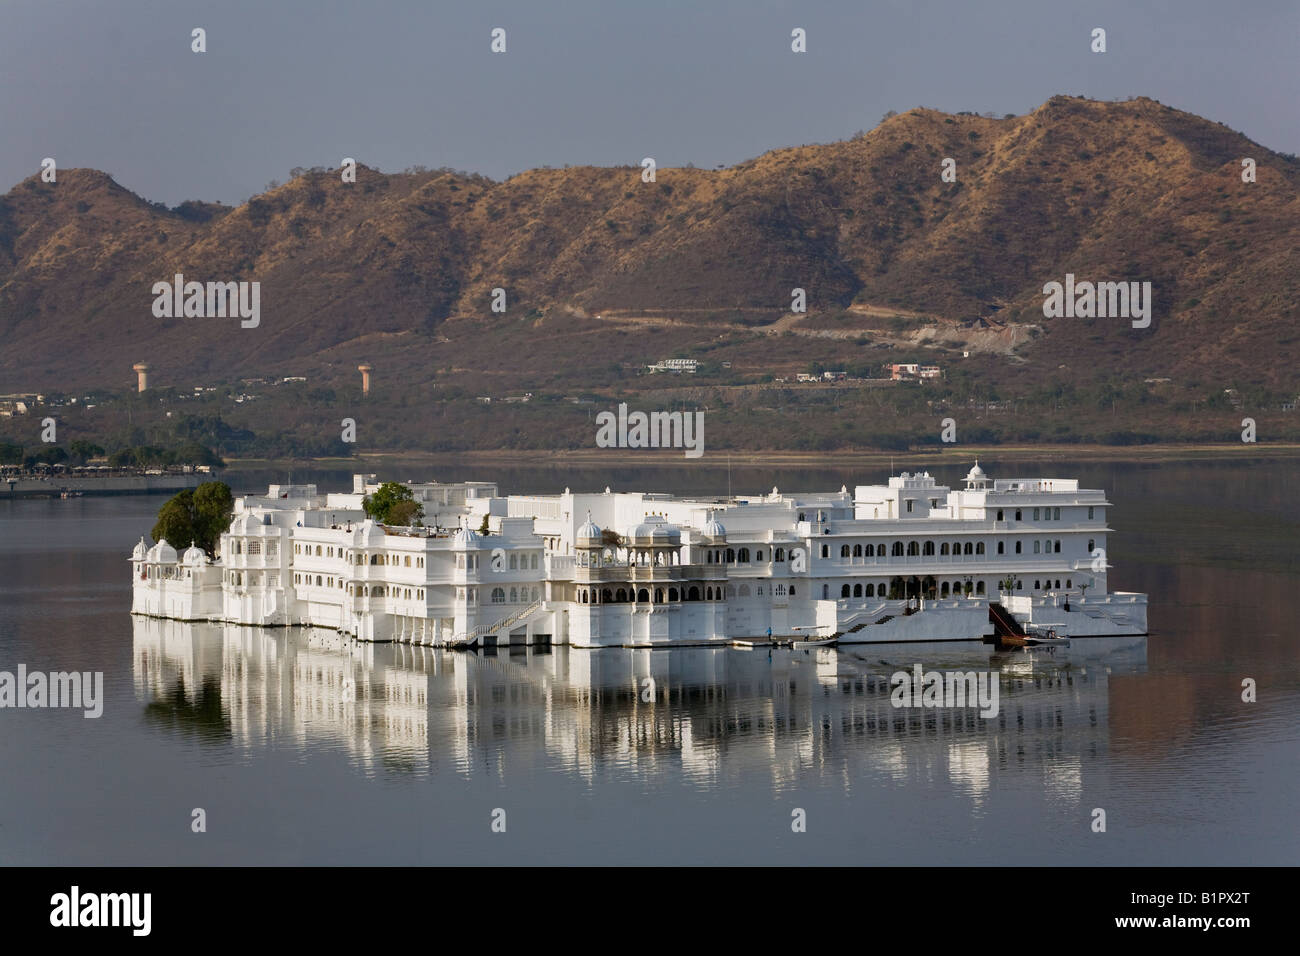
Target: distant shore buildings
x,y
675,365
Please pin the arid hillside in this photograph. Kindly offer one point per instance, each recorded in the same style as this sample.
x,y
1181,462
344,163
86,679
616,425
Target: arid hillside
x,y
602,270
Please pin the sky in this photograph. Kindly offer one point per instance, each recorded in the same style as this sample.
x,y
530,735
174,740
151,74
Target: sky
x,y
399,83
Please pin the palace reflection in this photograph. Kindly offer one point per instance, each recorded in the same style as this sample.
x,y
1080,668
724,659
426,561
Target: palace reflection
x,y
709,715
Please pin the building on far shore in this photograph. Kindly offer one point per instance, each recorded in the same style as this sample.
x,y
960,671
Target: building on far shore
x,y
912,371
675,365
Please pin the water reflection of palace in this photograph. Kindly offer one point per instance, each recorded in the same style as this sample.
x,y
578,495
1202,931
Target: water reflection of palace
x,y
701,713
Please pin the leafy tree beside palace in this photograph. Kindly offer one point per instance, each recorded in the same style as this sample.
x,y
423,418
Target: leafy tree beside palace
x,y
196,517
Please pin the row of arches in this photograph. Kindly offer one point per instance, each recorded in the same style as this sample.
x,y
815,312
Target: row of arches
x,y
900,589
911,549
643,595
516,595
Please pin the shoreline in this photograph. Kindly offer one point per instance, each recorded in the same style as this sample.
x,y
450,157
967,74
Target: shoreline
x,y
591,458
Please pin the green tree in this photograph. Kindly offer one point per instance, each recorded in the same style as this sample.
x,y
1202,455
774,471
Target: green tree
x,y
390,495
175,522
213,505
405,512
196,517
85,450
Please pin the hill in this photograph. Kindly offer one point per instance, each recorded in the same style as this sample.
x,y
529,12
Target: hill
x,y
604,272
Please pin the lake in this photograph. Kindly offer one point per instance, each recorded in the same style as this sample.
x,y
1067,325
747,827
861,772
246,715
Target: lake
x,y
302,748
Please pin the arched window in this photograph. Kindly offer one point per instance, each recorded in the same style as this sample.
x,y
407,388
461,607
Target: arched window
x,y
871,551
979,547
532,562
1037,585
708,594
999,514
731,555
792,590
1035,547
943,590
857,590
1068,584
780,555
514,595
913,549
708,557
1017,547
659,595
606,596
844,591
1057,549
622,596
318,580
943,548
672,594
979,587
744,555
780,590
897,550
857,550
844,551
498,595
826,551
967,548
1017,514
514,562
758,555
1001,547
928,549
1092,544
871,590
826,591
643,596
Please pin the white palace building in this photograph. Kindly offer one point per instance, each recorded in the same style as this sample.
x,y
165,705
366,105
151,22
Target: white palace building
x,y
910,560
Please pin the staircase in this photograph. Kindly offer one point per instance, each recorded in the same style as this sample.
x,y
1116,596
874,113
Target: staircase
x,y
859,626
1006,629
471,638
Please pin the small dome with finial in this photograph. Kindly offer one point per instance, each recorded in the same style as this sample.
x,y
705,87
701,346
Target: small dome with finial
x,y
589,533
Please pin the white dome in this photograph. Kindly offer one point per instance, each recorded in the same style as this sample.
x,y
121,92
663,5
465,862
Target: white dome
x,y
464,539
589,532
714,529
140,551
665,532
194,557
162,553
977,473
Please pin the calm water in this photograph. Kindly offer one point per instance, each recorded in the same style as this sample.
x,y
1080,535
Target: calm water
x,y
304,750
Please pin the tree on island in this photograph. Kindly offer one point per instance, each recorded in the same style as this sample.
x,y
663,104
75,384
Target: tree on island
x,y
393,504
196,517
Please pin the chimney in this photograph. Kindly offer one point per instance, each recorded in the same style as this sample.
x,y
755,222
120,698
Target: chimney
x,y
142,371
365,378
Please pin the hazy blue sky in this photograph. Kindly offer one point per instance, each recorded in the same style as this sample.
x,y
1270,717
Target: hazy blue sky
x,y
396,83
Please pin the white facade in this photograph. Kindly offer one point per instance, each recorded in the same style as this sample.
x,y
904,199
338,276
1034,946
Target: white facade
x,y
910,560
